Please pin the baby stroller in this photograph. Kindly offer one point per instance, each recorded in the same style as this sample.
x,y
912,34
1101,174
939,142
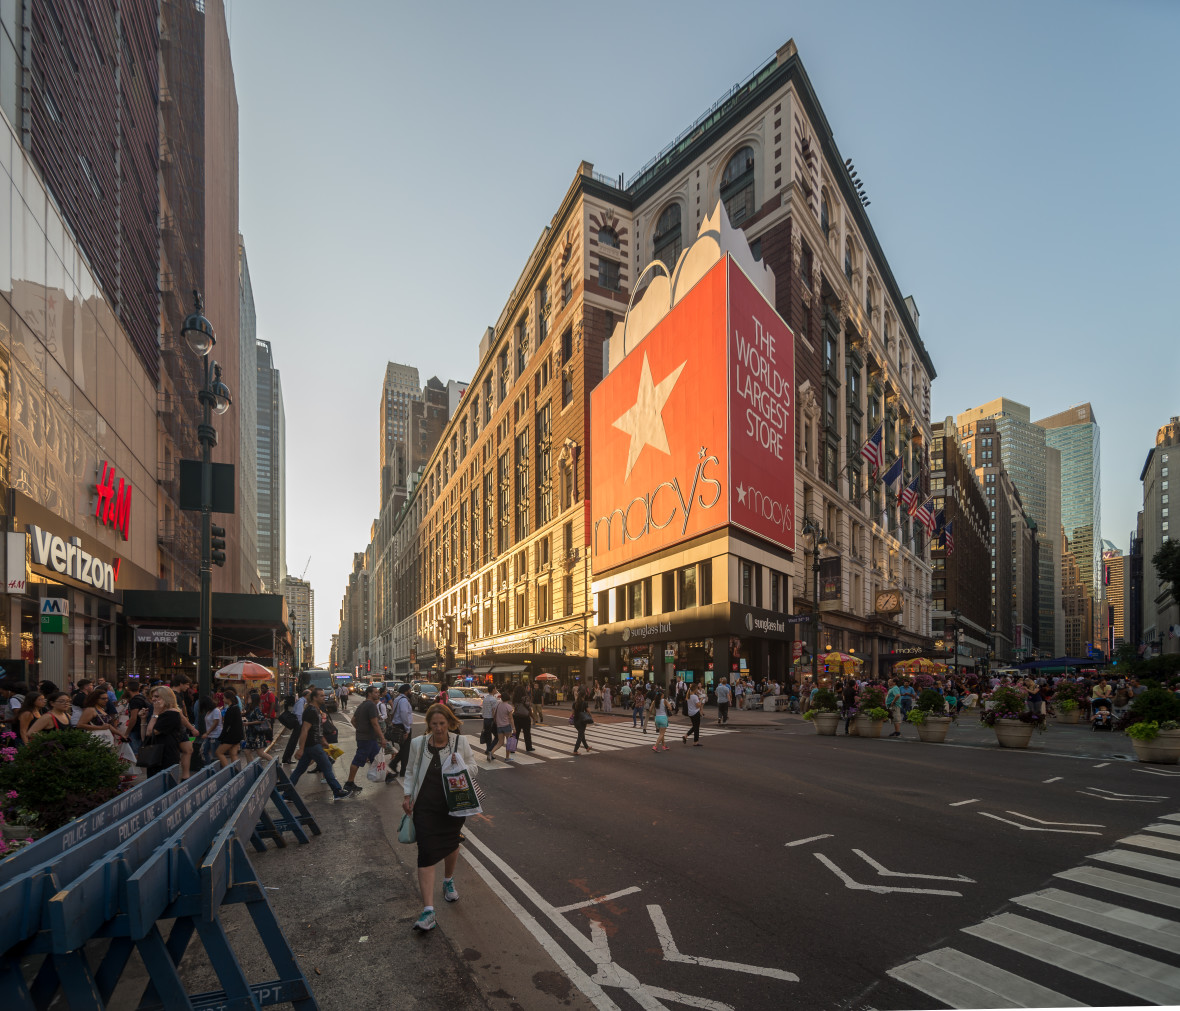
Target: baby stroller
x,y
1102,718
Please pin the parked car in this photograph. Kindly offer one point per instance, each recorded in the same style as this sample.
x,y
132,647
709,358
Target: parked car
x,y
464,702
422,695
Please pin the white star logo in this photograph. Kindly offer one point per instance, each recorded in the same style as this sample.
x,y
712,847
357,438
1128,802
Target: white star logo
x,y
741,493
644,421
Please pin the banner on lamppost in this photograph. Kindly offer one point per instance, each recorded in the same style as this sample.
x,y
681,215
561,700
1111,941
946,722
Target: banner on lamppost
x,y
830,583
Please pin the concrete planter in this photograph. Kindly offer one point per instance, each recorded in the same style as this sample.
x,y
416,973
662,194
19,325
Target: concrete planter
x,y
933,729
1164,749
1073,716
825,723
1013,733
868,727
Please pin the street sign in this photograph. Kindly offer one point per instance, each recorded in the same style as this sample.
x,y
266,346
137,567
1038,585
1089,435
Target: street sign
x,y
798,619
55,615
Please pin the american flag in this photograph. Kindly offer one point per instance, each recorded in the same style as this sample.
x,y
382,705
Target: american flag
x,y
948,537
909,495
874,449
925,515
940,519
893,473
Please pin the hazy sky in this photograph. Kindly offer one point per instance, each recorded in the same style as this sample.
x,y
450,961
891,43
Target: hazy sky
x,y
399,161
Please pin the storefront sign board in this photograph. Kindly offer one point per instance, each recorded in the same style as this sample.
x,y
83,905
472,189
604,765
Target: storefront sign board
x,y
16,573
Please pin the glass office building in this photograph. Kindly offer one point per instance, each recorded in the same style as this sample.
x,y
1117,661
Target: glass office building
x,y
1075,434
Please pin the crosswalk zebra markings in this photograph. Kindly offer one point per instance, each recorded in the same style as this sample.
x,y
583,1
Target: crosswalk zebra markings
x,y
1123,970
960,980
1119,920
1163,829
1123,884
1170,817
1141,862
557,741
1152,843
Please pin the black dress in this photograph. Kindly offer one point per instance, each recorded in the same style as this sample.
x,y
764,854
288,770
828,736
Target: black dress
x,y
436,828
167,732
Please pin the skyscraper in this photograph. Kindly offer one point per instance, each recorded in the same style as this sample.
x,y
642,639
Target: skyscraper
x,y
1035,469
1161,616
301,599
1114,577
398,392
271,454
1075,434
246,411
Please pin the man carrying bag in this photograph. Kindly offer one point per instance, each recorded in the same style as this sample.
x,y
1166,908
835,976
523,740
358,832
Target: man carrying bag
x,y
401,729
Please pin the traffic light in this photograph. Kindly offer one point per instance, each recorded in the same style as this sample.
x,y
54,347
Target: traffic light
x,y
217,554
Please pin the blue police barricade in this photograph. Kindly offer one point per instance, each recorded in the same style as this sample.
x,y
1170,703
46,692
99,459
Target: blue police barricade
x,y
182,863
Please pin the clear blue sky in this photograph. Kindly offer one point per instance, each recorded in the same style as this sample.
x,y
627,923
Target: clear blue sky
x,y
399,161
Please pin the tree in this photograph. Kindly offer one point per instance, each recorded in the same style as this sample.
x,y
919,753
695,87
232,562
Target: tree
x,y
1167,566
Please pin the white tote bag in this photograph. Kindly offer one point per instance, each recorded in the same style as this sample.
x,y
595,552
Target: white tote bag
x,y
377,769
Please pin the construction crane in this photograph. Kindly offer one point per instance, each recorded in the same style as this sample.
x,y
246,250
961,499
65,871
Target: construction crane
x,y
304,572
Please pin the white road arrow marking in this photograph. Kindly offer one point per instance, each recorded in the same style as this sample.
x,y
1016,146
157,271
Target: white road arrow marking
x,y
672,953
880,869
1071,824
810,838
1136,798
1035,828
856,886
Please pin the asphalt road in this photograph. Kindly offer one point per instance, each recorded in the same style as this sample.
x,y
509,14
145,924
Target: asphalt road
x,y
711,900
765,869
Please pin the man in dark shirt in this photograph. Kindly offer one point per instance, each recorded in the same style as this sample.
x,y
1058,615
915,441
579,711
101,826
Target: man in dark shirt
x,y
370,738
83,689
311,745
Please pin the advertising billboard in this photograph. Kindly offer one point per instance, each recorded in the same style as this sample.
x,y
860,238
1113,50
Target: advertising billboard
x,y
695,428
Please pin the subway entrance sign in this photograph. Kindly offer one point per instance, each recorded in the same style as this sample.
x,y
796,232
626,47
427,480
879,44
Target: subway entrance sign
x,y
55,615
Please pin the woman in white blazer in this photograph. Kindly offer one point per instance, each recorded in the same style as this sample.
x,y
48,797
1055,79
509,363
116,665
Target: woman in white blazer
x,y
436,829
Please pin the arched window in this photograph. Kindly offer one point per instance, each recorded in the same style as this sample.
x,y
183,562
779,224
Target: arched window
x,y
737,186
607,237
667,240
825,218
848,259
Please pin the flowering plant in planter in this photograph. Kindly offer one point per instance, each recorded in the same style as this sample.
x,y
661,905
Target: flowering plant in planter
x,y
824,702
1008,703
929,703
871,703
1149,730
1069,695
1156,705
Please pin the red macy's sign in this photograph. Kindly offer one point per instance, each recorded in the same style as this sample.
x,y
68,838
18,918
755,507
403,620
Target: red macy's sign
x,y
114,507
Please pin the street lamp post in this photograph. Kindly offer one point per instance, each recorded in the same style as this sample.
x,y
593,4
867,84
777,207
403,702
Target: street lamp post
x,y
213,396
955,616
815,533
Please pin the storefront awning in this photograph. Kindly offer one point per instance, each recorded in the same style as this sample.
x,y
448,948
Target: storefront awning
x,y
508,668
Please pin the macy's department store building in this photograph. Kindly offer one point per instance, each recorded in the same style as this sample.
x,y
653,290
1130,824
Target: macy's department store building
x,y
692,528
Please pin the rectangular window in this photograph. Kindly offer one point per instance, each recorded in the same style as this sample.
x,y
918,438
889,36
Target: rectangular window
x,y
522,607
542,554
567,291
544,468
567,386
608,274
774,591
523,488
505,490
603,607
635,600
705,582
504,377
522,346
543,602
746,583
805,265
543,312
567,537
686,587
567,596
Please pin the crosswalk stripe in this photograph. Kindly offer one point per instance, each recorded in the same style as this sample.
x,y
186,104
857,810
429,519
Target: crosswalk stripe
x,y
963,981
1123,970
1170,817
1119,920
1124,884
1152,843
1164,829
1140,862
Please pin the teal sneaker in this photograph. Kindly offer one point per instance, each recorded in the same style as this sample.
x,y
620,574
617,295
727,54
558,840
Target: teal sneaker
x,y
449,892
426,921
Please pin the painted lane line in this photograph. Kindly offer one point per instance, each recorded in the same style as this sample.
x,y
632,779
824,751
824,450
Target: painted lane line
x,y
592,990
1125,859
1036,828
1069,824
594,902
962,981
960,803
672,953
596,948
1157,772
810,838
1124,884
1053,780
1102,765
856,886
1123,970
1113,793
880,869
1154,931
1149,842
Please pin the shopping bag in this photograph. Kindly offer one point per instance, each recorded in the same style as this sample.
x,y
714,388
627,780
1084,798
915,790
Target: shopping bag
x,y
126,753
333,751
459,787
510,745
377,769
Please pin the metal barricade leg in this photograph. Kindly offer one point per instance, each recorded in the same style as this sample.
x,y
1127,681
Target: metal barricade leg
x,y
77,981
112,965
238,994
165,980
286,789
13,992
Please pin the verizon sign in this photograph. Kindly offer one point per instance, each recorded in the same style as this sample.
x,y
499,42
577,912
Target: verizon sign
x,y
68,559
695,428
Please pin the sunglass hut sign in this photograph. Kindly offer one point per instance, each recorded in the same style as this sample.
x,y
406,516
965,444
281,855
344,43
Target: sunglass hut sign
x,y
68,559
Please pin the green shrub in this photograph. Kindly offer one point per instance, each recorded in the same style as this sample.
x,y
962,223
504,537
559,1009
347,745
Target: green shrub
x,y
1155,704
930,701
62,774
825,701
